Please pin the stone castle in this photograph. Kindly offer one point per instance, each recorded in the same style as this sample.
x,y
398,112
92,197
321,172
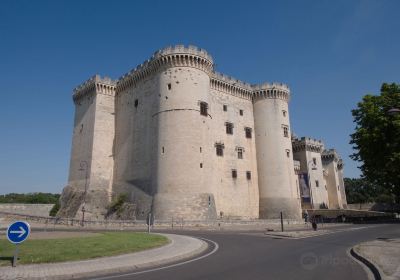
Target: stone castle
x,y
183,141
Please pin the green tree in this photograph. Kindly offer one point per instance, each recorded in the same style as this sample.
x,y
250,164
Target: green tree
x,y
376,140
30,198
54,210
360,190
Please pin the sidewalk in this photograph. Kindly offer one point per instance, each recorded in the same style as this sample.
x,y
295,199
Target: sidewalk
x,y
384,254
180,247
309,232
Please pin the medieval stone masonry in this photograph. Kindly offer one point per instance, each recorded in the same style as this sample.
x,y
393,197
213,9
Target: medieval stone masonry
x,y
180,140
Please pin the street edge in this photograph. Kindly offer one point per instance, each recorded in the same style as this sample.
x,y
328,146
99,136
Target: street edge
x,y
100,274
371,269
130,270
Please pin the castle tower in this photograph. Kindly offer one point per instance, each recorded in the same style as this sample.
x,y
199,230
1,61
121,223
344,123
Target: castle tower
x,y
276,177
334,179
314,190
91,165
182,120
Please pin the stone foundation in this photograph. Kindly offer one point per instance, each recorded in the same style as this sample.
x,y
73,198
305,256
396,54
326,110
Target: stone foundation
x,y
184,206
271,208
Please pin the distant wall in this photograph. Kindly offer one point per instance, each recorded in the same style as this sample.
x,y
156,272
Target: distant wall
x,y
360,206
382,207
27,209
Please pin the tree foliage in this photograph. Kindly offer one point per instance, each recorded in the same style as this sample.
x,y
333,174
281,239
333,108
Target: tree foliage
x,y
30,198
376,140
54,210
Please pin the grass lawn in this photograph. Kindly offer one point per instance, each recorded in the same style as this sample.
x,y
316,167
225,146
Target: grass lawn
x,y
70,249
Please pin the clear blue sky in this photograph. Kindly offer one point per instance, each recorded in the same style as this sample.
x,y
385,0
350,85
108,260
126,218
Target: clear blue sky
x,y
329,52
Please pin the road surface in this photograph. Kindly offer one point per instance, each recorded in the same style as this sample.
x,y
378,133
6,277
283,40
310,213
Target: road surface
x,y
254,256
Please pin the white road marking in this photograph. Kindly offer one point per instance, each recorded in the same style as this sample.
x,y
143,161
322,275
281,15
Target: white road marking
x,y
216,247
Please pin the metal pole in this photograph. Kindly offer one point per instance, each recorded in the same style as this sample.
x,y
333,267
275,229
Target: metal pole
x,y
282,221
148,222
83,214
84,166
15,258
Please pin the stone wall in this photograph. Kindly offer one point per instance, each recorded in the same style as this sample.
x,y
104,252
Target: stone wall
x,y
27,209
147,136
372,206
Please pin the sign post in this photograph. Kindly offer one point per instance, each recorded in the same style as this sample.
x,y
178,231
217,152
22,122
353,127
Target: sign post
x,y
17,233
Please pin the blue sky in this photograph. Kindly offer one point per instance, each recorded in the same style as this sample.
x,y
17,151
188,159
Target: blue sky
x,y
331,53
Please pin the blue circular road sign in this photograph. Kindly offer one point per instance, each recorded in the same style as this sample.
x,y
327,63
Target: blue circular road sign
x,y
18,232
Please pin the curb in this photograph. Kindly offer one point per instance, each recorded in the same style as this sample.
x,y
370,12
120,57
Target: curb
x,y
100,273
367,263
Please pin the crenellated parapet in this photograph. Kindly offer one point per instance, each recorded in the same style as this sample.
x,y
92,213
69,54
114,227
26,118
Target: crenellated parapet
x,y
340,164
307,144
192,51
95,84
231,86
176,56
330,155
273,90
191,56
242,89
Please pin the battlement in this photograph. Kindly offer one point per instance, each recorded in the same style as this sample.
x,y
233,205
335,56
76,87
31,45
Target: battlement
x,y
330,155
307,144
266,86
231,85
242,89
273,90
181,49
95,84
195,57
340,164
177,56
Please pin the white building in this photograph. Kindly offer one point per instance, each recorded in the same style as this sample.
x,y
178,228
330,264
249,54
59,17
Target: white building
x,y
184,141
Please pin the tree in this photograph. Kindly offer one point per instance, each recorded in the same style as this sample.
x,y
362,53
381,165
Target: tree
x,y
30,198
54,210
376,140
360,190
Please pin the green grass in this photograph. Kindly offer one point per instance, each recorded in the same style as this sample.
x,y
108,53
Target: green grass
x,y
71,249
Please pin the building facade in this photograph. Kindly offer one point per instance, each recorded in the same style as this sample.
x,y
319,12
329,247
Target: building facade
x,y
183,141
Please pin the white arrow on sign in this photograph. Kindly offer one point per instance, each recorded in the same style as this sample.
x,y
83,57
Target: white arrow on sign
x,y
21,232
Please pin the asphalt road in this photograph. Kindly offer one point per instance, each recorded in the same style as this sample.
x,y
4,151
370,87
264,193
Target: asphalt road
x,y
254,256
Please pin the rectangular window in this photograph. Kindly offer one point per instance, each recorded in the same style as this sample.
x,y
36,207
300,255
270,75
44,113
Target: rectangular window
x,y
203,109
201,165
285,130
219,148
240,153
284,113
288,153
317,183
229,128
314,160
234,173
169,86
241,112
248,175
225,107
248,132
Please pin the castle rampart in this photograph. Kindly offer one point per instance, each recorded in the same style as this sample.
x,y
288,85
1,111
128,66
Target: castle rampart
x,y
277,185
181,140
